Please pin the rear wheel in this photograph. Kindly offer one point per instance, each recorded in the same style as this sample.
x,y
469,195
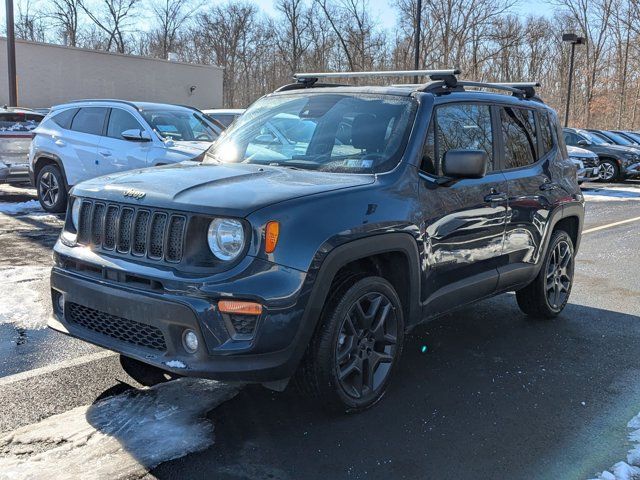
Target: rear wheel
x,y
549,292
144,374
609,171
357,347
52,192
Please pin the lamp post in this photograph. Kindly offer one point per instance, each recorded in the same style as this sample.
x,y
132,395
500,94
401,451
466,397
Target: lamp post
x,y
416,56
11,56
574,40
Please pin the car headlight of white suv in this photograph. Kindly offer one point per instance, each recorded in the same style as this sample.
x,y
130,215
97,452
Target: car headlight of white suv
x,y
226,238
75,213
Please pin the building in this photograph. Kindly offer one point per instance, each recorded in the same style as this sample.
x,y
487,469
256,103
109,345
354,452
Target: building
x,y
53,74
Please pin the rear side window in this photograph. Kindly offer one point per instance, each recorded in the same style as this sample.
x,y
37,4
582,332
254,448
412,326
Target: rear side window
x,y
519,135
89,120
546,134
15,122
457,127
65,117
119,121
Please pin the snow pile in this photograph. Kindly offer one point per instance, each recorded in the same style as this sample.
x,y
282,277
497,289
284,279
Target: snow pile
x,y
629,470
25,299
14,208
120,437
614,194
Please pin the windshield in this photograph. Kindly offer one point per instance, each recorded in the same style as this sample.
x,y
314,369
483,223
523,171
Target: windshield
x,y
350,133
634,136
181,125
619,139
13,122
593,138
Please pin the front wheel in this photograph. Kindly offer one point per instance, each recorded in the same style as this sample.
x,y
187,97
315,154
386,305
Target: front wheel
x,y
549,292
609,171
52,192
357,347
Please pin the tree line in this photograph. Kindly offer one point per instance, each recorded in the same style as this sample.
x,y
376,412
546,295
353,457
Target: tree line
x,y
487,39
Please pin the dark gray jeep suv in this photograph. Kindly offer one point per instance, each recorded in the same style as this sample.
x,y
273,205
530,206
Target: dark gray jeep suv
x,y
325,223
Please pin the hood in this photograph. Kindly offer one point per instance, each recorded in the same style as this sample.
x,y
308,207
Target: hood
x,y
579,152
232,189
620,149
188,149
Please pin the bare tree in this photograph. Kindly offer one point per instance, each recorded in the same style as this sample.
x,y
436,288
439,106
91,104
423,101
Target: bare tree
x,y
65,16
29,22
113,19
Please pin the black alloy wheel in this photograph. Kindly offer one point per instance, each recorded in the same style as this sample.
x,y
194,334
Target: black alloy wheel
x,y
366,345
356,347
548,293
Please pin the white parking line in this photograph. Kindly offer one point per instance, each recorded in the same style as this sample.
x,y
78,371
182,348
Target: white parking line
x,y
609,225
74,362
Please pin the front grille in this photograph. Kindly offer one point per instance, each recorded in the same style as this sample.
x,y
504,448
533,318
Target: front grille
x,y
590,162
119,328
129,230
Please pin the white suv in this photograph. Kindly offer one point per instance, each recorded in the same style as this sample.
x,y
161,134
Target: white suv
x,y
85,139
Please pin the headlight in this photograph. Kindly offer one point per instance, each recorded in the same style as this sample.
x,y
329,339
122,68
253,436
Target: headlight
x,y
75,213
225,238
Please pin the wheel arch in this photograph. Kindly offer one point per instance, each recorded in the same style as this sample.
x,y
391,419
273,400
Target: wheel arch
x,y
45,159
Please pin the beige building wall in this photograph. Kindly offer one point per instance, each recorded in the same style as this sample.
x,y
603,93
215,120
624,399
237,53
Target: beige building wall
x,y
52,74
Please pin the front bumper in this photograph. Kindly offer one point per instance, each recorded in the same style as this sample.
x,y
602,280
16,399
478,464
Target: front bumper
x,y
588,173
271,353
632,171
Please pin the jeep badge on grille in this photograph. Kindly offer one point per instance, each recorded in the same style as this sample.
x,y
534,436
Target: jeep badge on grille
x,y
137,194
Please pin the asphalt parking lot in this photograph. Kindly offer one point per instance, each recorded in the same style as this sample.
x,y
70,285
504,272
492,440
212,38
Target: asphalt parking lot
x,y
481,393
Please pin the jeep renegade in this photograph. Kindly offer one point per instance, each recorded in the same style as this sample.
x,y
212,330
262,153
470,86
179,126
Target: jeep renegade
x,y
325,223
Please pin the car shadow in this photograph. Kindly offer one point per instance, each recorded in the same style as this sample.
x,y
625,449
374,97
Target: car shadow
x,y
484,392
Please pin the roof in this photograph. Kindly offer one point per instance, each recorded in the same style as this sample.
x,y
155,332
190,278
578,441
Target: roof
x,y
224,111
19,110
110,101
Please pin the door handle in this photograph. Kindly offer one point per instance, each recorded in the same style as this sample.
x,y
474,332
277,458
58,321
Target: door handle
x,y
59,142
549,186
104,153
495,198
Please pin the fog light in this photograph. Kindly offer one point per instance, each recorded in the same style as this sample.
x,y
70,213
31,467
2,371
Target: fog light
x,y
190,341
61,303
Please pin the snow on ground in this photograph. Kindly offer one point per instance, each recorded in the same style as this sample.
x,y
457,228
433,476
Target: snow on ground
x,y
20,207
629,470
24,296
120,437
612,194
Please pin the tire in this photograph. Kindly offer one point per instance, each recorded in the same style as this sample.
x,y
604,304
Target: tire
x,y
52,191
548,294
609,171
144,374
354,351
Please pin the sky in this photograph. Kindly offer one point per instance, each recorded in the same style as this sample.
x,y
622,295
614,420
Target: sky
x,y
381,10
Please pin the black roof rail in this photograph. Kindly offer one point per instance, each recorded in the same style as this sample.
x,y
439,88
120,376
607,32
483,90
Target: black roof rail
x,y
517,89
309,80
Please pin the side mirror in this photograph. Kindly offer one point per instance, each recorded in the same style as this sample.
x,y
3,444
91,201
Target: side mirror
x,y
465,163
583,143
136,135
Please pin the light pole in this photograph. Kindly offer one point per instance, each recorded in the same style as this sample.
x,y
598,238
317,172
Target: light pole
x,y
416,56
574,40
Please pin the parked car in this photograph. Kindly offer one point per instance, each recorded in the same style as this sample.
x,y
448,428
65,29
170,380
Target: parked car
x,y
225,116
261,265
587,163
615,139
85,139
616,162
16,131
631,136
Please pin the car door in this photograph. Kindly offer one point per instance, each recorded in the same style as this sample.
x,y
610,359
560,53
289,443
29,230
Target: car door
x,y
463,220
530,154
117,153
78,147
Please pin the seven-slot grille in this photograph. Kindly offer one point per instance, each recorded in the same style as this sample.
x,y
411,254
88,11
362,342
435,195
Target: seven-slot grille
x,y
590,162
128,229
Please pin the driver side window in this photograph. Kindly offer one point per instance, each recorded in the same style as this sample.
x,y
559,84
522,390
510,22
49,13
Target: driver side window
x,y
457,127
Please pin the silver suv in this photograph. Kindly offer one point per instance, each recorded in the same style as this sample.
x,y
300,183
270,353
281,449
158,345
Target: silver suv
x,y
89,138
